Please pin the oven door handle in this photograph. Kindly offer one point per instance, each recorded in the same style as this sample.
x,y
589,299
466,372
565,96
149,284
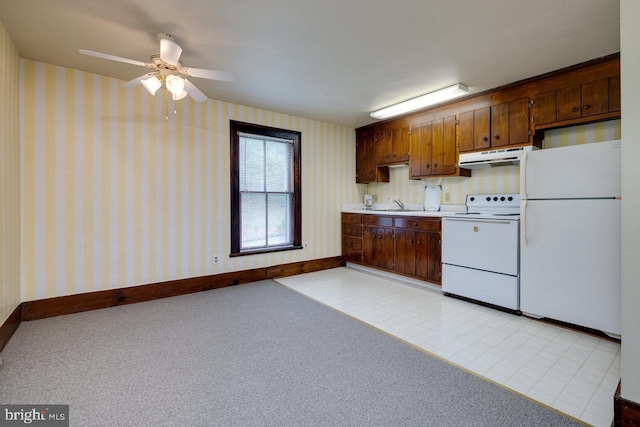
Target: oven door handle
x,y
493,221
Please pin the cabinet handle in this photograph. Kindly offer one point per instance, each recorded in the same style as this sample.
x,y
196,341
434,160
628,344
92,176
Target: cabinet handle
x,y
411,241
373,235
496,136
485,139
586,107
417,242
379,237
575,109
415,224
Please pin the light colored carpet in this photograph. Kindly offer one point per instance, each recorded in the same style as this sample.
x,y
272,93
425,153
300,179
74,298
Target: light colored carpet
x,y
251,355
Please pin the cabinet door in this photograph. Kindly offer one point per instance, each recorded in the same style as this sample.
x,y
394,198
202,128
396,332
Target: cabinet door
x,y
518,121
545,108
428,256
569,103
465,131
383,148
377,247
426,144
482,128
420,159
400,144
500,125
365,160
449,145
614,93
369,239
405,251
437,147
595,97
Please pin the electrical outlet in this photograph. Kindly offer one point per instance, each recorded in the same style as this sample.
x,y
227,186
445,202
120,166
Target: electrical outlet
x,y
215,259
447,197
375,200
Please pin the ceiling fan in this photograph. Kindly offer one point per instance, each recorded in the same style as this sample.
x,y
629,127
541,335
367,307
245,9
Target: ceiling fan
x,y
168,71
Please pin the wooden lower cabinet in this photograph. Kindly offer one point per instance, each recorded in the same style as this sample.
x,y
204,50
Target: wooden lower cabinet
x,y
377,247
405,245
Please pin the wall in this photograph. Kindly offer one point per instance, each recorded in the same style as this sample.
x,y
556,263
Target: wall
x,y
630,70
115,195
505,179
9,177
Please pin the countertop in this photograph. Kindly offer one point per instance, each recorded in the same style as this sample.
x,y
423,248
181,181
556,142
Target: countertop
x,y
414,210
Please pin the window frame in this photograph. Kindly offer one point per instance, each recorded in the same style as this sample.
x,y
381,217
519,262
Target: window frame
x,y
235,128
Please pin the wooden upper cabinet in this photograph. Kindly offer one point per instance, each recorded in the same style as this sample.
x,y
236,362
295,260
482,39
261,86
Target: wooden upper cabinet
x,y
545,108
400,145
482,128
595,97
474,130
614,93
392,146
420,143
383,148
433,149
465,131
519,121
579,103
569,103
495,126
366,168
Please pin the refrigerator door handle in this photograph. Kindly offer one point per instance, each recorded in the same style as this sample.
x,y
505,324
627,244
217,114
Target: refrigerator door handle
x,y
523,176
524,221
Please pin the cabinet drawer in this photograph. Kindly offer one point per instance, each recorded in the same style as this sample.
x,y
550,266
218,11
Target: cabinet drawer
x,y
351,243
382,221
428,224
352,229
351,218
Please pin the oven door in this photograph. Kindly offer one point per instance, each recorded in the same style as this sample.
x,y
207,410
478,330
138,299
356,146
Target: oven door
x,y
483,244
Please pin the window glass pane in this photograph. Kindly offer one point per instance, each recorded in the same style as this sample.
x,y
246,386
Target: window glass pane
x,y
251,164
253,213
279,159
280,219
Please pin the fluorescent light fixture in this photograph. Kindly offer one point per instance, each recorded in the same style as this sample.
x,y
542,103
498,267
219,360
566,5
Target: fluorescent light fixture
x,y
422,101
152,84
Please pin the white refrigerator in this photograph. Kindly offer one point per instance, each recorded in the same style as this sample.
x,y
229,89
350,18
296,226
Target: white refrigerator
x,y
570,235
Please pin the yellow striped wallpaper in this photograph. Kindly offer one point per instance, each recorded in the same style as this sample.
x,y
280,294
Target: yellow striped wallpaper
x,y
116,195
505,179
9,176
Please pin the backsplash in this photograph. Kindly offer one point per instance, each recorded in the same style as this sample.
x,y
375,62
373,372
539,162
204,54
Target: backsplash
x,y
503,179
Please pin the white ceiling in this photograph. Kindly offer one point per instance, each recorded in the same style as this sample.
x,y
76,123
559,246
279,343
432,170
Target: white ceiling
x,y
331,60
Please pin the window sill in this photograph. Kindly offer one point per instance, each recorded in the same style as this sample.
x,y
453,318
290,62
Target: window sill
x,y
264,251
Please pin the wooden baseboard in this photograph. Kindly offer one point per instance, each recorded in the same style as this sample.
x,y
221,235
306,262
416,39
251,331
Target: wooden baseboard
x,y
625,412
10,325
68,304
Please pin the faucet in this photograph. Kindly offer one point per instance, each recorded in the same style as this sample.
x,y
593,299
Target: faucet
x,y
399,203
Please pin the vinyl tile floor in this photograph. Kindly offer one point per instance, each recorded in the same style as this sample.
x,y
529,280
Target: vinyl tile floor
x,y
574,373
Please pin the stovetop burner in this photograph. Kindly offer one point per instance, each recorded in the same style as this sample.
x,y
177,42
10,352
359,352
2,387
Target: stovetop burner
x,y
505,205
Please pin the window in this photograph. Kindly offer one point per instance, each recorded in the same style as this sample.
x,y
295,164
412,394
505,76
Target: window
x,y
265,189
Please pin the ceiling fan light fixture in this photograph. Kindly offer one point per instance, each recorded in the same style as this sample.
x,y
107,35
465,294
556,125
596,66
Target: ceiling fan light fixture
x,y
175,85
152,84
422,101
179,96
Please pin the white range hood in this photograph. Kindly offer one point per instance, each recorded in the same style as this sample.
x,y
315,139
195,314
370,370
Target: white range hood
x,y
492,158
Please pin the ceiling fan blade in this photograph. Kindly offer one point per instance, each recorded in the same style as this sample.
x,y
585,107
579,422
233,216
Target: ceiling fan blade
x,y
137,81
112,57
170,51
209,74
194,92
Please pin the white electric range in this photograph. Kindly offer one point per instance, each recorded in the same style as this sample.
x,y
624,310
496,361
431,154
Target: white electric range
x,y
480,250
